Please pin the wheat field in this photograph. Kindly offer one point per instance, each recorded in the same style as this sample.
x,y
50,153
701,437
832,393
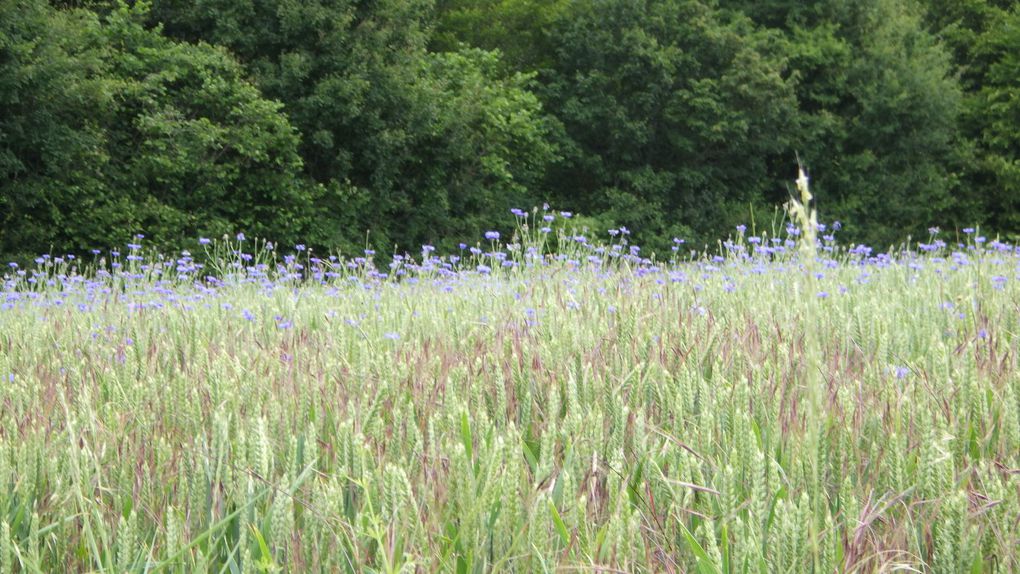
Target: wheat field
x,y
545,401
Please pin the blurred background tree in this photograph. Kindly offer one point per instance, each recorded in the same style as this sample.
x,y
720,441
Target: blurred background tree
x,y
408,122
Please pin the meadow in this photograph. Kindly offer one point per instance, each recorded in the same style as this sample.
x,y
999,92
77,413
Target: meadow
x,y
534,402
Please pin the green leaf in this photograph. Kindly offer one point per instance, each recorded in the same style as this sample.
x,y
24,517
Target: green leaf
x,y
705,565
561,528
465,435
529,455
266,556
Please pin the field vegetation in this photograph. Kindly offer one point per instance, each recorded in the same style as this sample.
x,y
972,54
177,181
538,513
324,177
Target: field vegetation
x,y
399,370
541,401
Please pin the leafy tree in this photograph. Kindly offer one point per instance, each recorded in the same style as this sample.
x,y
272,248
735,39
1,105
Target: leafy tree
x,y
109,128
878,104
409,146
53,102
672,111
199,142
984,39
995,109
487,151
519,29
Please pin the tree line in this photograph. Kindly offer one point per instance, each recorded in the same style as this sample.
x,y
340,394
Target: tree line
x,y
345,124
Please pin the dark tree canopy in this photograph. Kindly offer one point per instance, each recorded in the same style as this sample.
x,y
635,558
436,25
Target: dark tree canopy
x,y
110,129
444,144
672,112
392,123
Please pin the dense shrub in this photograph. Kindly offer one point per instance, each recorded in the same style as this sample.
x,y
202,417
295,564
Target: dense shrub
x,y
110,128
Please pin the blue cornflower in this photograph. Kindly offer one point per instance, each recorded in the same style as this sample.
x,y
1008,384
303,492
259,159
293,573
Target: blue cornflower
x,y
204,241
240,236
492,235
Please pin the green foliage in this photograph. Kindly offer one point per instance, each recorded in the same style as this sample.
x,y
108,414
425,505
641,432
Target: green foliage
x,y
519,29
984,38
996,108
672,112
209,152
488,150
407,145
404,122
878,104
53,106
110,128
